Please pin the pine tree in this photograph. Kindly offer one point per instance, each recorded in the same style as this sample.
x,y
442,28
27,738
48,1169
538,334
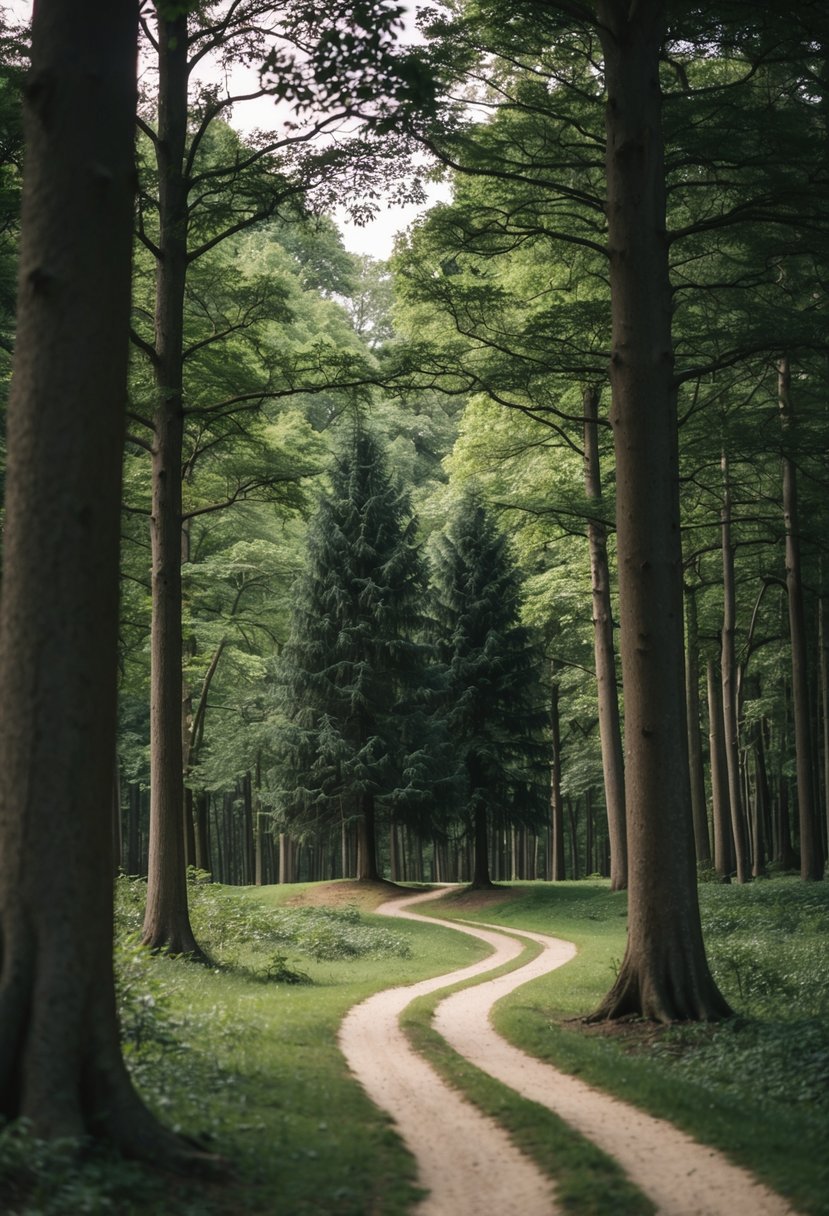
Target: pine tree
x,y
494,715
356,738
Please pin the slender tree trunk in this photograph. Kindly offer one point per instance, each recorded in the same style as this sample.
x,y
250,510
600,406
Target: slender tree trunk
x,y
134,829
572,816
811,853
60,1060
702,839
117,820
823,629
556,806
202,825
167,922
761,802
664,974
720,813
610,732
728,672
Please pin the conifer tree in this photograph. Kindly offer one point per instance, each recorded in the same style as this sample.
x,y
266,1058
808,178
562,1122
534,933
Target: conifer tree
x,y
494,713
354,679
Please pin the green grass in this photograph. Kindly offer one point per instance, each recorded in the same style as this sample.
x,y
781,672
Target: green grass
x,y
250,1066
758,1086
243,1054
588,1182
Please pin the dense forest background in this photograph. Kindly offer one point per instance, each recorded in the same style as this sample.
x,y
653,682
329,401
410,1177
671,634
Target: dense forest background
x,y
500,559
477,357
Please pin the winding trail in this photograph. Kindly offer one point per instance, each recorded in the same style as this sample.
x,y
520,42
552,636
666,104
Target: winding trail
x,y
466,1161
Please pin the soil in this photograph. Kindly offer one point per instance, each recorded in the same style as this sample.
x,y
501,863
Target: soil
x,y
466,1161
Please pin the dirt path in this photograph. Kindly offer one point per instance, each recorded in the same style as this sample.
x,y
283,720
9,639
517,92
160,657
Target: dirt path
x,y
465,1160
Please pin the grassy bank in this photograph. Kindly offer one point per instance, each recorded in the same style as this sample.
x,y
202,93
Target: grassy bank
x,y
243,1054
756,1087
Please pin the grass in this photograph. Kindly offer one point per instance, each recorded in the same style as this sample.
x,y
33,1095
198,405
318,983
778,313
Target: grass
x,y
758,1086
249,1064
243,1054
588,1182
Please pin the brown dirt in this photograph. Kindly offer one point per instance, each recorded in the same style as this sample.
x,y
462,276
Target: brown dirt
x,y
342,892
461,1154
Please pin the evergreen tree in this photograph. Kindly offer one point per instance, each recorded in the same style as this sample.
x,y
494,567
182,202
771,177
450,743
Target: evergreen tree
x,y
354,679
494,706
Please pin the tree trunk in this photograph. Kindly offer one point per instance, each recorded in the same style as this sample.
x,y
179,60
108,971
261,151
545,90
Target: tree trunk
x,y
823,629
728,672
720,813
609,727
480,872
699,813
167,922
556,806
60,1060
367,870
761,803
117,820
572,816
134,829
202,825
811,853
664,974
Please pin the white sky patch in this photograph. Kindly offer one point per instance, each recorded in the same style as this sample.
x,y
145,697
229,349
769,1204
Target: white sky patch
x,y
376,238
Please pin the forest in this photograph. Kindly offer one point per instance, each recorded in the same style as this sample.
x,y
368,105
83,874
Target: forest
x,y
499,561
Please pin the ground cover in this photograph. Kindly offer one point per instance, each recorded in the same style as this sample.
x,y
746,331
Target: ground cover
x,y
756,1087
243,1055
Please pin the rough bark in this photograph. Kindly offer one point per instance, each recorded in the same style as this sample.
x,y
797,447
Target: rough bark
x,y
610,733
167,922
664,974
720,813
557,872
760,812
728,673
811,852
60,1060
823,631
481,879
699,813
367,870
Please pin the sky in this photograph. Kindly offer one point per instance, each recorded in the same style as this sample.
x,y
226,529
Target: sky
x,y
376,239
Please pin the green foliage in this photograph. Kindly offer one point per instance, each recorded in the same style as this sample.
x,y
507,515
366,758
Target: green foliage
x,y
493,700
65,1178
353,676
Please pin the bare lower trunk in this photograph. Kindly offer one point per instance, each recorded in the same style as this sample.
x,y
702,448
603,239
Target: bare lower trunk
x,y
480,873
608,700
167,922
811,852
367,870
556,805
723,856
702,839
823,629
664,974
60,1060
728,671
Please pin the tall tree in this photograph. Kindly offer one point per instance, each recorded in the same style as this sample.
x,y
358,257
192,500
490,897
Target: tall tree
x,y
355,741
608,698
495,715
811,848
60,1059
664,974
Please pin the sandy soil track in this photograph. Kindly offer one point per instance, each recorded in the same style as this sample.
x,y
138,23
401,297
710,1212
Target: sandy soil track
x,y
466,1162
